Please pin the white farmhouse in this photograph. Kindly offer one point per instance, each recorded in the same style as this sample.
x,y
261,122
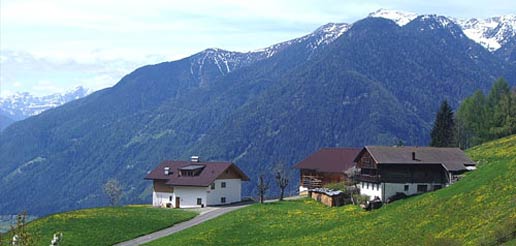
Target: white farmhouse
x,y
386,171
189,184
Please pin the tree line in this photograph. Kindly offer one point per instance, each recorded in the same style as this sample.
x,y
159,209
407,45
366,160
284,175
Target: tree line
x,y
478,119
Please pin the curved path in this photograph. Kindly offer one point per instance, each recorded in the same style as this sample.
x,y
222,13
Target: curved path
x,y
204,216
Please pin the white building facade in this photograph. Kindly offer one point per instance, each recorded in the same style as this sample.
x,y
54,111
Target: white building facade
x,y
386,190
186,185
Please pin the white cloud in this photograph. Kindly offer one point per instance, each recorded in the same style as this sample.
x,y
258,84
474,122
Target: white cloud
x,y
45,87
21,71
96,42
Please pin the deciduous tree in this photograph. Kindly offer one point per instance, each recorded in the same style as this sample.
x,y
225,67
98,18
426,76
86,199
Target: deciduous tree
x,y
262,186
21,236
282,179
113,190
480,118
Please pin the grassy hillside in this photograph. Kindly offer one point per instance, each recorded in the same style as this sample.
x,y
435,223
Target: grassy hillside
x,y
476,210
105,226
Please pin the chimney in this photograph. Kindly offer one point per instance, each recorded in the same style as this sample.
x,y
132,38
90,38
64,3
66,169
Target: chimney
x,y
194,158
414,156
167,170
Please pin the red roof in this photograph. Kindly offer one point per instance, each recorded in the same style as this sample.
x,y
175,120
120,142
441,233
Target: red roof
x,y
210,172
330,160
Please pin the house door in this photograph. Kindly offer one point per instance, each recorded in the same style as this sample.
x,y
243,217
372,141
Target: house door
x,y
178,199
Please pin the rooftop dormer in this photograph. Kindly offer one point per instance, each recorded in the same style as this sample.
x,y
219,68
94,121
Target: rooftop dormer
x,y
191,170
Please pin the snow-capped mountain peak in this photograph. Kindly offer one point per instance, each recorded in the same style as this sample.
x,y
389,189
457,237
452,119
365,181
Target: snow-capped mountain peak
x,y
322,36
328,33
400,17
222,62
492,33
21,105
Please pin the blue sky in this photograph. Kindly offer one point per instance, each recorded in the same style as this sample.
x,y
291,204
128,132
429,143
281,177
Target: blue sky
x,y
53,45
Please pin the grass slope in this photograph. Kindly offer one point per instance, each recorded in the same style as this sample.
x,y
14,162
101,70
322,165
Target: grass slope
x,y
473,211
105,226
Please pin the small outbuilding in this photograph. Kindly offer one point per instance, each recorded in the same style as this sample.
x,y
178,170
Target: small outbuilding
x,y
331,198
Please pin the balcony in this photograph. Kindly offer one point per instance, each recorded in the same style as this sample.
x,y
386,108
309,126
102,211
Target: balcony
x,y
311,182
368,178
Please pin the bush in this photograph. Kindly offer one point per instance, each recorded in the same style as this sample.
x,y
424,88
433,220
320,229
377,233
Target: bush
x,y
360,199
336,186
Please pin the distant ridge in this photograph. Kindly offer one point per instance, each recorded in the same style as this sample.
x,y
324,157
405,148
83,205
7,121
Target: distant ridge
x,y
372,82
23,104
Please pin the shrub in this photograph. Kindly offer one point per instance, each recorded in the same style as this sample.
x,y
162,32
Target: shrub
x,y
336,186
360,199
19,233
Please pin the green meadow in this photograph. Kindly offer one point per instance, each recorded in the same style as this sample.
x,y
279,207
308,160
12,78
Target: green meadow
x,y
480,209
104,226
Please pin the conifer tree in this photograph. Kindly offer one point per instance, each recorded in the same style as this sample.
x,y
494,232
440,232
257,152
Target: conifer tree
x,y
443,131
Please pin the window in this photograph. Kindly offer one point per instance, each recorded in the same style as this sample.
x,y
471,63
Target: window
x,y
367,185
170,198
223,185
436,187
186,173
422,188
222,200
405,188
191,170
378,187
213,186
199,201
363,185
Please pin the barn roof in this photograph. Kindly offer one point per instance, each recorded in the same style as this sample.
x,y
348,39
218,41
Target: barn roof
x,y
210,171
330,160
453,159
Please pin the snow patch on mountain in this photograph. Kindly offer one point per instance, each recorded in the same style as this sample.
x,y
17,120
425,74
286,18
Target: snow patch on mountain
x,y
322,36
492,33
227,61
326,34
21,105
400,17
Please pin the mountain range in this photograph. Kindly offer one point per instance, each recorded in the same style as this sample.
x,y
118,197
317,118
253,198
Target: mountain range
x,y
21,105
377,81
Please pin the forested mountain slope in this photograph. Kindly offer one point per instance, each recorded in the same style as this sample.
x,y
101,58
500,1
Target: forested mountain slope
x,y
373,83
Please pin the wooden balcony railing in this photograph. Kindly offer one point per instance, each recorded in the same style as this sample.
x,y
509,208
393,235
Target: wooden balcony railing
x,y
311,182
368,178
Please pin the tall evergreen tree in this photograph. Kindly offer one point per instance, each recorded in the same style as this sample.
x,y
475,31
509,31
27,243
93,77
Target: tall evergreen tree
x,y
443,131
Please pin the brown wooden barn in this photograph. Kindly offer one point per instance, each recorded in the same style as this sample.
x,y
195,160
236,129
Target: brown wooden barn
x,y
325,166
